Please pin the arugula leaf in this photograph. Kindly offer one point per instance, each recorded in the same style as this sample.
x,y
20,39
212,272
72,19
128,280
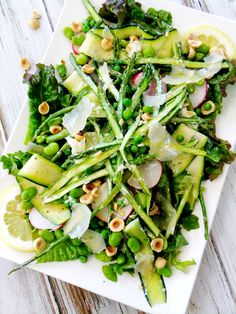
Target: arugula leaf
x,y
14,162
190,222
43,86
176,242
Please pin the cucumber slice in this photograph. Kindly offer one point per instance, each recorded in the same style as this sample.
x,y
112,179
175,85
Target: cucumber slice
x,y
181,162
75,83
152,282
195,169
124,32
57,213
41,170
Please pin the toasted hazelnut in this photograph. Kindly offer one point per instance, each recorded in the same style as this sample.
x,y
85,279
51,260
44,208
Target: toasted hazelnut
x,y
36,15
154,210
25,64
34,24
44,108
79,136
76,27
95,192
193,43
116,224
54,129
88,69
86,199
121,122
146,117
133,38
111,250
106,44
191,53
39,244
89,187
160,263
157,245
97,183
115,206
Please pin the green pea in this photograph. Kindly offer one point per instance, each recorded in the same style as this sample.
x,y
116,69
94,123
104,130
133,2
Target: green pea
x,y
134,148
47,235
200,83
67,151
51,149
104,233
138,139
127,114
143,149
134,244
85,27
118,269
55,121
26,205
180,138
68,32
40,139
127,102
199,56
58,233
61,69
109,272
82,59
191,88
207,106
83,259
166,271
29,193
115,105
198,111
92,23
120,202
76,193
78,40
117,68
121,259
141,199
75,242
103,257
203,48
114,161
149,52
147,109
115,239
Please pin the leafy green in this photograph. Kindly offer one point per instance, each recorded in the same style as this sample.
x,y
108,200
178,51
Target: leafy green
x,y
182,265
14,162
43,86
114,11
161,19
190,222
176,242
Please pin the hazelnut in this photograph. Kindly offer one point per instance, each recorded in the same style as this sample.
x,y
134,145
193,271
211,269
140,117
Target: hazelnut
x,y
24,63
193,43
36,15
160,263
157,245
154,210
146,117
44,108
133,38
116,224
39,244
54,129
191,53
76,27
86,199
88,69
111,251
106,44
79,136
34,24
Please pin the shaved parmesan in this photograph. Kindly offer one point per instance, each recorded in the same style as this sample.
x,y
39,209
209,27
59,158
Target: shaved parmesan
x,y
94,241
76,146
79,221
75,120
133,47
108,83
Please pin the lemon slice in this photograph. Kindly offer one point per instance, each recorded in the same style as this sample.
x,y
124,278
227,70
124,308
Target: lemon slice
x,y
15,229
214,37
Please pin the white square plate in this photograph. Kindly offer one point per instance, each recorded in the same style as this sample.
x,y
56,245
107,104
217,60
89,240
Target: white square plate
x,y
89,276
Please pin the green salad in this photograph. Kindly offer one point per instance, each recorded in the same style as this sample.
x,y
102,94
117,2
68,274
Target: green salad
x,y
118,149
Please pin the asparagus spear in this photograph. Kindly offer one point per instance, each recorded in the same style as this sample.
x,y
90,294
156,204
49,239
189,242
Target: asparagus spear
x,y
204,213
92,11
57,137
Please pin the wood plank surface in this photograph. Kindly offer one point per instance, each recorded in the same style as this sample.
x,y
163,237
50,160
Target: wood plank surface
x,y
28,292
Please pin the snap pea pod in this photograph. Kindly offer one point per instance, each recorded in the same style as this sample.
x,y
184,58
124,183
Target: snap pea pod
x,y
57,137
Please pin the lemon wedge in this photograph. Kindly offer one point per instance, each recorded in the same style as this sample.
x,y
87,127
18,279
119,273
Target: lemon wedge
x,y
214,37
15,229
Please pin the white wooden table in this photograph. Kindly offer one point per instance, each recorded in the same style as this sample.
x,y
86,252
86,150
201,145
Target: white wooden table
x,y
28,292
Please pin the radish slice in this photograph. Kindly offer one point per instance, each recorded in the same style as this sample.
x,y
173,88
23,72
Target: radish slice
x,y
137,78
75,49
199,95
150,171
103,193
40,222
123,212
152,88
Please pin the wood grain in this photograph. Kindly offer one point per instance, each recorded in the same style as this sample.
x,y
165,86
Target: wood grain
x,y
28,292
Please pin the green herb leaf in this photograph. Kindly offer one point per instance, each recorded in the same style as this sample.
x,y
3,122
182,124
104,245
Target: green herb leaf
x,y
14,162
190,222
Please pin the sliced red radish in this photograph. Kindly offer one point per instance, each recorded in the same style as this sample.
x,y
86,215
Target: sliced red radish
x,y
163,87
123,212
75,49
40,222
137,78
199,95
103,193
150,171
152,88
